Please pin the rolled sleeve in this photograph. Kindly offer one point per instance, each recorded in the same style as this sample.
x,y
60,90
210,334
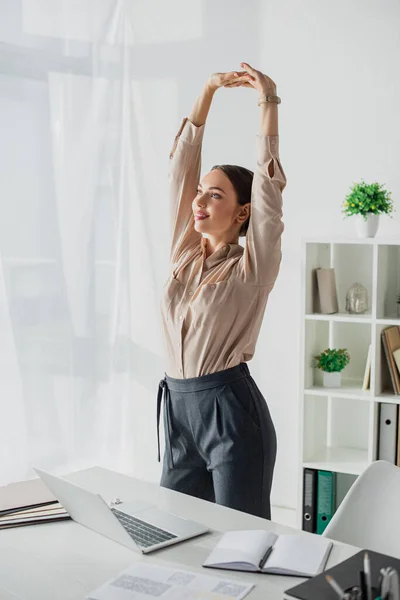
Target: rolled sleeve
x,y
262,254
184,175
189,134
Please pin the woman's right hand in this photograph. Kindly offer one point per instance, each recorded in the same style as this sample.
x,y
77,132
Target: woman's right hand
x,y
231,79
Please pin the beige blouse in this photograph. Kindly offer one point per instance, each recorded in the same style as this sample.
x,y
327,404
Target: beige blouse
x,y
212,308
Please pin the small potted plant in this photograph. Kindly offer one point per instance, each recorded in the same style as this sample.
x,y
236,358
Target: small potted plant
x,y
366,202
332,361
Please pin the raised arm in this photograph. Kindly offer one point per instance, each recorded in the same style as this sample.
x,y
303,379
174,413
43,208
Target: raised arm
x,y
262,255
185,164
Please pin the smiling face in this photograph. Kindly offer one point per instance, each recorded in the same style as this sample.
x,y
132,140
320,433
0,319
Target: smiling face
x,y
216,209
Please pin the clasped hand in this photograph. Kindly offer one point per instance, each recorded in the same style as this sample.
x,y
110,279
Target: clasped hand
x,y
249,77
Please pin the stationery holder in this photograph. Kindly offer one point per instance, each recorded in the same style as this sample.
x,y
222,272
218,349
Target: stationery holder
x,y
354,593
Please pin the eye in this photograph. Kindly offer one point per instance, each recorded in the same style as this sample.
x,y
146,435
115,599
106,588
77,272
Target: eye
x,y
215,195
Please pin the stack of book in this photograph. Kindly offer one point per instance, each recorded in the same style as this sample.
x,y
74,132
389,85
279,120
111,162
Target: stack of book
x,y
29,503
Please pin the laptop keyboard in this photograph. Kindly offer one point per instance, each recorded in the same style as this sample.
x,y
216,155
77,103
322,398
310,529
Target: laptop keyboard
x,y
144,534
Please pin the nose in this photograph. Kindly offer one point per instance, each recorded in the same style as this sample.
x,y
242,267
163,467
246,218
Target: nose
x,y
200,200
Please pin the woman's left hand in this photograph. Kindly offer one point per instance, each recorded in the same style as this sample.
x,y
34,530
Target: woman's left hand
x,y
259,81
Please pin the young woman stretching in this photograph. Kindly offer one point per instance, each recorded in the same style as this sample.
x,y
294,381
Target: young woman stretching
x,y
220,439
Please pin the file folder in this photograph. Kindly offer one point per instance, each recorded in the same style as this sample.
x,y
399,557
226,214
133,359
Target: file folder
x,y
387,441
309,500
325,499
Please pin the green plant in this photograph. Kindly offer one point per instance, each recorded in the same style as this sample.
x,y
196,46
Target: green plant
x,y
331,360
367,198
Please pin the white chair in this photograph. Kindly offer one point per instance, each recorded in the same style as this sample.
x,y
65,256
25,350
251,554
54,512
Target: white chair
x,y
369,516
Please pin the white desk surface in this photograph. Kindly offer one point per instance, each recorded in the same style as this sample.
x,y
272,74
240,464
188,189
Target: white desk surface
x,y
65,561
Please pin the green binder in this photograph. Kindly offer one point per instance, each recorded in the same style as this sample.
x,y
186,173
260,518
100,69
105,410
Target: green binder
x,y
325,499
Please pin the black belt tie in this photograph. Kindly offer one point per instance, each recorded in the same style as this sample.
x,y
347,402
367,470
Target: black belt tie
x,y
163,387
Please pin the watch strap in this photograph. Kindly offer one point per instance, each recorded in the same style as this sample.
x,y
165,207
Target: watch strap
x,y
265,99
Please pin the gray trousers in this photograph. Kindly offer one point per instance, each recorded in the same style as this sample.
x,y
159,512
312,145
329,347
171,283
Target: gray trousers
x,y
220,442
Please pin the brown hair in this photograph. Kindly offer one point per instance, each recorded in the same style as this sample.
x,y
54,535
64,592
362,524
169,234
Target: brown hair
x,y
242,181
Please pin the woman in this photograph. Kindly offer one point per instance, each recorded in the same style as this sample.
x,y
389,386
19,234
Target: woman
x,y
220,439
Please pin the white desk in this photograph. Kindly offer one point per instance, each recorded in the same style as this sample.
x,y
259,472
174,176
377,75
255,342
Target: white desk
x,y
65,561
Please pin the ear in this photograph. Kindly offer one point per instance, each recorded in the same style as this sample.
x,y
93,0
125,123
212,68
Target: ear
x,y
244,213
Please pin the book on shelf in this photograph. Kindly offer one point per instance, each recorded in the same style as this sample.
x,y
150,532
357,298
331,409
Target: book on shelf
x,y
396,356
328,300
267,552
367,373
391,342
398,442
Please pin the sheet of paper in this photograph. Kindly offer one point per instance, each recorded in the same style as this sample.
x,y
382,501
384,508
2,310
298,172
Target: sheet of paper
x,y
144,581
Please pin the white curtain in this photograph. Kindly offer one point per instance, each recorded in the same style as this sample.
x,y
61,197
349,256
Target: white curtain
x,y
88,110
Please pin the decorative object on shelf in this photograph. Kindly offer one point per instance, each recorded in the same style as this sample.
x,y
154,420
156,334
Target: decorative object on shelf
x,y
398,306
332,361
357,299
327,291
366,202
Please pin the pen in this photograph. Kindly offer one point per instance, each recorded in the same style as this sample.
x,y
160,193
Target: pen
x,y
335,586
363,585
265,558
367,571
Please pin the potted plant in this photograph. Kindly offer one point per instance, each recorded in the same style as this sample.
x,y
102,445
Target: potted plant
x,y
332,361
366,202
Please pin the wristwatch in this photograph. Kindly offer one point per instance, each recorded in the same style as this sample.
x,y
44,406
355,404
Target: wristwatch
x,y
265,99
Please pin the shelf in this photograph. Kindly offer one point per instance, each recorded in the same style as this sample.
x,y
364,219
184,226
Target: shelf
x,y
387,397
340,317
348,390
388,321
340,426
339,460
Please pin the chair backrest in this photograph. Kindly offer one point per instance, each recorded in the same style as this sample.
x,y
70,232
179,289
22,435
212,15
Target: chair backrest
x,y
369,516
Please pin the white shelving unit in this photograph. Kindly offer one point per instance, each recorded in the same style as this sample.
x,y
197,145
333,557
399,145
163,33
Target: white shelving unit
x,y
338,427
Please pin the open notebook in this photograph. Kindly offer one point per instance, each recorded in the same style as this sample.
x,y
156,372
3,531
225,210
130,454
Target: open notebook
x,y
299,555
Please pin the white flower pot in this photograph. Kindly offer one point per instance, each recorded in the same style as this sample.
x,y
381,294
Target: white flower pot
x,y
332,380
367,228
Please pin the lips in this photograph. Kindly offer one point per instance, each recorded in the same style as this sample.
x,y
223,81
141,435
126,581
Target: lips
x,y
200,216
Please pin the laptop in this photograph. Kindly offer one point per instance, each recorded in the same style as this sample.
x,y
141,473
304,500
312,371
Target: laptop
x,y
137,525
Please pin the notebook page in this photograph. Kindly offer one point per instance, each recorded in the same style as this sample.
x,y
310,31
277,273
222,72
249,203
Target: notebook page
x,y
241,547
298,554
